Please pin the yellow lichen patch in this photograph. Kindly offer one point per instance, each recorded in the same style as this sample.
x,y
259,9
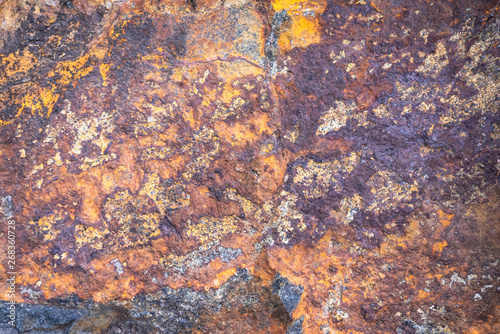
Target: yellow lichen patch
x,y
89,163
163,111
89,235
178,74
230,100
250,208
95,129
211,230
104,69
150,188
229,94
267,147
201,161
15,65
381,111
150,225
418,93
38,100
485,82
434,63
477,72
304,29
284,214
41,100
156,60
102,142
37,168
349,206
136,226
336,58
146,224
388,192
165,197
222,113
156,152
318,177
73,70
495,134
45,226
427,107
293,135
336,117
56,160
438,247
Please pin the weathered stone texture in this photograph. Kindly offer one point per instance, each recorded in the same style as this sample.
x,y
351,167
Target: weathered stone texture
x,y
244,166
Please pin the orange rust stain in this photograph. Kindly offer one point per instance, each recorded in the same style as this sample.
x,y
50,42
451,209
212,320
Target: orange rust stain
x,y
393,242
422,294
168,168
445,218
309,267
36,273
305,29
272,170
438,247
229,93
243,133
222,277
189,117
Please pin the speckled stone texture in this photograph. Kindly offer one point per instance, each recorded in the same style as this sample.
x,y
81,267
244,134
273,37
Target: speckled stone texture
x,y
244,166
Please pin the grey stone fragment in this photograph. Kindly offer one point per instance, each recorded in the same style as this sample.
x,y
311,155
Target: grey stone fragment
x,y
6,206
8,329
296,327
41,317
289,294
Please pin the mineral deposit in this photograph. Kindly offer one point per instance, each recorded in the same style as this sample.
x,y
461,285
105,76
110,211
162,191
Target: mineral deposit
x,y
248,166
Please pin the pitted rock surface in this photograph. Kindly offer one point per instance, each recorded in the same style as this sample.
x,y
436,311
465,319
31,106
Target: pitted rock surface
x,y
244,166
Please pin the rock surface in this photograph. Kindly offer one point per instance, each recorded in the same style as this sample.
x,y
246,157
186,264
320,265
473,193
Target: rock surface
x,y
239,166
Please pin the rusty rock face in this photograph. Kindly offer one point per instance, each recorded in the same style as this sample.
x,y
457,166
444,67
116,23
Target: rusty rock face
x,y
242,166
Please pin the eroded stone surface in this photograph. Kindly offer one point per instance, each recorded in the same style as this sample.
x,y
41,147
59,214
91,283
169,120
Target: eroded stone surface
x,y
172,159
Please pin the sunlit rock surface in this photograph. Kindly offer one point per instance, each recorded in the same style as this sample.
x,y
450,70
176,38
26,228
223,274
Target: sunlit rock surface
x,y
241,166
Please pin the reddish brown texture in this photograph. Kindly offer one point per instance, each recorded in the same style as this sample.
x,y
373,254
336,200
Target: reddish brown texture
x,y
197,152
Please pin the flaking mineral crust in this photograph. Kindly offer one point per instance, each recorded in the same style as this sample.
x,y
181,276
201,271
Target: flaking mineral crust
x,y
244,166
